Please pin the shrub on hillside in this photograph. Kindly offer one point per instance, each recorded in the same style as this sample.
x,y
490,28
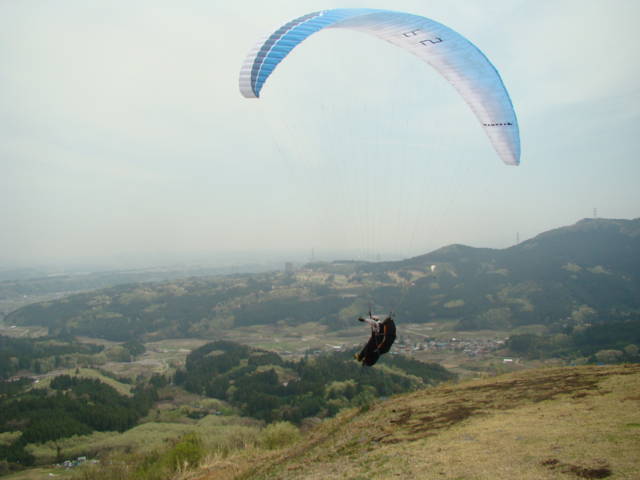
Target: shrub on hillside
x,y
187,453
278,435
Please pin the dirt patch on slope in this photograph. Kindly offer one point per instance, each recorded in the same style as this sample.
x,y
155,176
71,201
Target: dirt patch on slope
x,y
600,468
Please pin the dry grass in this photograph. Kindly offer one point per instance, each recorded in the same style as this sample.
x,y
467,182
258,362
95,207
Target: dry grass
x,y
218,433
580,422
41,474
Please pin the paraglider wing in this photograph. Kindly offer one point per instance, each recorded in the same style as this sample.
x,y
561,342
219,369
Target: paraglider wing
x,y
455,57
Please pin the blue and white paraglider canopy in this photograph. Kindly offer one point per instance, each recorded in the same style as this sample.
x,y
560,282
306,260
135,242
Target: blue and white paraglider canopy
x,y
452,55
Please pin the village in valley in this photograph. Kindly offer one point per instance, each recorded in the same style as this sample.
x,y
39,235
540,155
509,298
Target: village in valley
x,y
472,347
462,352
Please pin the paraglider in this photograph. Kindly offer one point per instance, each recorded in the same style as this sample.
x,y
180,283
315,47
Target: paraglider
x,y
452,55
458,60
383,334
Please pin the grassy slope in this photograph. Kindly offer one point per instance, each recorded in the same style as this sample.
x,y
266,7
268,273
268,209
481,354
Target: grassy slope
x,y
572,422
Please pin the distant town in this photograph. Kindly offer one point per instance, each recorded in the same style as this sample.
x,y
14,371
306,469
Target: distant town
x,y
410,344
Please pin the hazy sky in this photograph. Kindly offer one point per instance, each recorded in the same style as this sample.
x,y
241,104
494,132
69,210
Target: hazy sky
x,y
123,134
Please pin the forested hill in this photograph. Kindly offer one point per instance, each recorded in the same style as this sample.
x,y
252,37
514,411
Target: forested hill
x,y
263,385
571,277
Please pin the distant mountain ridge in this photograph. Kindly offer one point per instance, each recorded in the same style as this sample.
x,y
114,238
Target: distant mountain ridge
x,y
589,240
568,277
594,263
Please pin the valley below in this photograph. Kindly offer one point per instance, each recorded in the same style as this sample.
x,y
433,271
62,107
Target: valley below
x,y
516,363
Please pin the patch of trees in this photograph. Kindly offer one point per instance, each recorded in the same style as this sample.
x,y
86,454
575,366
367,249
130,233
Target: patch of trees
x,y
610,342
14,387
27,354
73,406
134,348
264,386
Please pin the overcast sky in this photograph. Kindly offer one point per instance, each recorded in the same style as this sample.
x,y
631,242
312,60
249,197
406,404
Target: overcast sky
x,y
123,134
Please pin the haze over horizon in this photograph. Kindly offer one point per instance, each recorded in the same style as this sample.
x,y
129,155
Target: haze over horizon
x,y
123,136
